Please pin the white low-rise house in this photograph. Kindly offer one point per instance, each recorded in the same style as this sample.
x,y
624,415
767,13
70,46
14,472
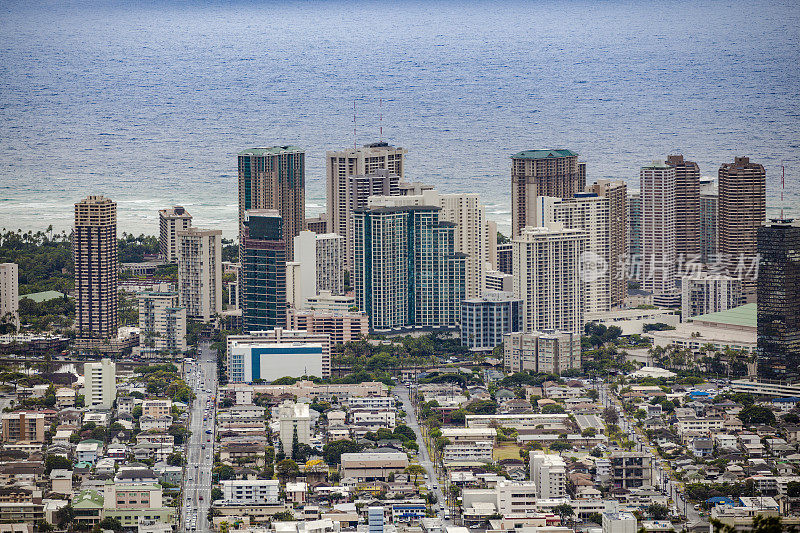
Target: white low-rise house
x,y
251,491
480,451
706,426
381,417
727,442
65,397
88,451
519,421
162,423
296,492
106,465
371,402
454,434
98,418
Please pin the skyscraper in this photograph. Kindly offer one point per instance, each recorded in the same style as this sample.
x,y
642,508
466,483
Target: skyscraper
x,y
687,207
94,250
709,196
541,173
547,276
100,384
318,266
742,210
274,178
200,272
407,272
170,222
339,166
359,188
706,293
634,212
263,285
464,210
9,293
588,212
778,302
617,193
657,183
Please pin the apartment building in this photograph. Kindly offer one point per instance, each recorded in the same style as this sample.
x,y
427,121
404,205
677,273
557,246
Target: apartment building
x,y
263,283
23,426
318,266
95,256
542,351
658,264
498,281
557,421
687,206
616,192
131,501
100,384
709,199
371,402
360,187
480,451
156,408
341,327
251,491
9,292
170,222
162,324
547,277
706,293
200,272
549,474
294,419
631,469
484,320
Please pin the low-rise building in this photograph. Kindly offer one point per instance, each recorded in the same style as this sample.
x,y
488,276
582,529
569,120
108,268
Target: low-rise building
x,y
372,466
251,491
480,451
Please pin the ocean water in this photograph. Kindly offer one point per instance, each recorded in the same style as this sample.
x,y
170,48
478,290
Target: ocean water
x,y
148,102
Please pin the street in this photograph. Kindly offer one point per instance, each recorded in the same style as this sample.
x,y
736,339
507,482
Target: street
x,y
202,378
424,459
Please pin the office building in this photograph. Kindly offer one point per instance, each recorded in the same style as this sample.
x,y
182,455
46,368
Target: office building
x,y
340,326
742,209
339,166
709,196
95,255
547,276
634,211
200,272
263,271
23,426
162,324
540,173
550,352
778,302
359,188
318,266
407,271
484,320
100,384
704,293
505,257
659,268
9,293
687,207
294,422
170,222
549,474
467,213
590,213
269,355
617,194
274,178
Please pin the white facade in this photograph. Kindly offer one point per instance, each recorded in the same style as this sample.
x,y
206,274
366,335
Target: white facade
x,y
200,272
548,352
658,263
494,280
547,276
468,213
9,292
372,417
330,303
269,355
291,417
469,451
251,491
704,293
100,384
549,473
162,324
318,266
590,213
371,402
170,222
621,522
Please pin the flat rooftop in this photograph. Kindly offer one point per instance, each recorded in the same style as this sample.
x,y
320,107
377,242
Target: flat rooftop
x,y
742,316
543,154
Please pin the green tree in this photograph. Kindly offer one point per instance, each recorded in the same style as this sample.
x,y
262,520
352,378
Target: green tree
x,y
332,452
287,469
110,523
283,516
658,511
56,462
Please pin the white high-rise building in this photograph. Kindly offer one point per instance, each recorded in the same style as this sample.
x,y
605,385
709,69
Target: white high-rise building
x,y
339,166
549,473
658,266
162,324
200,272
294,418
170,222
9,292
589,212
547,277
467,212
549,352
100,384
318,266
705,293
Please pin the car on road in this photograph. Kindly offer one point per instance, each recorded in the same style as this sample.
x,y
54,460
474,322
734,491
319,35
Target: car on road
x,y
200,497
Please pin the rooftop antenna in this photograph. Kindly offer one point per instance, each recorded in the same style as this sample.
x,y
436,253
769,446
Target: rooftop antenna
x,y
380,119
783,186
355,143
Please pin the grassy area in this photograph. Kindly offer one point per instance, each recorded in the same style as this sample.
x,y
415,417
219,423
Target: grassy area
x,y
506,451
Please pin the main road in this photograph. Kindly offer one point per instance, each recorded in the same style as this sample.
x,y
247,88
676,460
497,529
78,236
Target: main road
x,y
202,378
424,458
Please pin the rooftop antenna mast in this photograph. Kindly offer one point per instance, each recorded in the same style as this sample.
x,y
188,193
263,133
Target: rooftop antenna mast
x,y
355,143
380,119
783,186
